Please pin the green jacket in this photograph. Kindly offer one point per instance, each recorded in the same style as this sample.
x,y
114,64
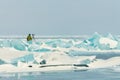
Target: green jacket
x,y
29,38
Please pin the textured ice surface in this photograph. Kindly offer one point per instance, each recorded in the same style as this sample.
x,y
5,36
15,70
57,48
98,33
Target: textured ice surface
x,y
20,53
95,42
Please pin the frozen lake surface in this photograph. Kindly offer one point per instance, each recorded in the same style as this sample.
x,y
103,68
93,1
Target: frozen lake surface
x,y
95,74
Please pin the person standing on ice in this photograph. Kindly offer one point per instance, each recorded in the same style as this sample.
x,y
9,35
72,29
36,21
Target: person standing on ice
x,y
33,37
29,38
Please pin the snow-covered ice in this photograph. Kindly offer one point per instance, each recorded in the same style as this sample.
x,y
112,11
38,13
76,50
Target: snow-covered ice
x,y
17,55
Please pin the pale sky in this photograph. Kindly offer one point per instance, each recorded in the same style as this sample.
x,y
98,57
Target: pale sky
x,y
59,17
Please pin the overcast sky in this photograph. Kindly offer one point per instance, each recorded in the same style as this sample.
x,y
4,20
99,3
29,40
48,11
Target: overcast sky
x,y
59,17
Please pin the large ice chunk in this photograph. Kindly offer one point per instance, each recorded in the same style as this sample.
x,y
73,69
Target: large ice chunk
x,y
59,43
18,44
27,58
98,41
110,42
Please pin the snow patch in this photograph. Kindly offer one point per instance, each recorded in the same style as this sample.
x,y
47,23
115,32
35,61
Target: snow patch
x,y
107,41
